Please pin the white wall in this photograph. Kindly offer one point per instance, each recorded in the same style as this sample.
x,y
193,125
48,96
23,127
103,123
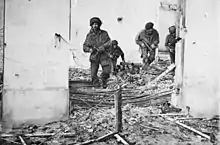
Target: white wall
x,y
36,73
1,32
135,14
201,65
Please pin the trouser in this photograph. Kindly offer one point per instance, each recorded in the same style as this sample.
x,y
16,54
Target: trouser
x,y
172,56
106,70
148,57
114,63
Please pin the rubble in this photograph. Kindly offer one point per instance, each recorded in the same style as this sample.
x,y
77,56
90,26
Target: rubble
x,y
144,115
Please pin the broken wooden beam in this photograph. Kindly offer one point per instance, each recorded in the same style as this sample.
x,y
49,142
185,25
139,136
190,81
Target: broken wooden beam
x,y
98,139
148,127
170,68
119,138
167,114
187,127
22,141
37,135
118,111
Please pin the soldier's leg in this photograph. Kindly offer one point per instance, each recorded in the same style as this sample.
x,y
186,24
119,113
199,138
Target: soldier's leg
x,y
145,60
114,62
145,55
151,57
106,70
172,57
94,71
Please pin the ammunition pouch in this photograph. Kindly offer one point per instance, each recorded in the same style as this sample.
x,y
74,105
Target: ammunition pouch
x,y
105,60
94,56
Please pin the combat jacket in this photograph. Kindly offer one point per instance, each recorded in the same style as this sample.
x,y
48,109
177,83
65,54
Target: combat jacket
x,y
170,41
146,38
96,40
116,52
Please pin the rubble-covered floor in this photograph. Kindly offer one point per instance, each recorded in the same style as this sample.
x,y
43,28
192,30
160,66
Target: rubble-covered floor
x,y
93,114
138,128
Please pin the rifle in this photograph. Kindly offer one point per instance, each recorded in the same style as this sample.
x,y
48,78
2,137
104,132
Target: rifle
x,y
146,44
176,40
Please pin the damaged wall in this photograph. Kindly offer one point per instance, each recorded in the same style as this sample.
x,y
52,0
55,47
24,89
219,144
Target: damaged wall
x,y
36,72
133,14
201,69
1,33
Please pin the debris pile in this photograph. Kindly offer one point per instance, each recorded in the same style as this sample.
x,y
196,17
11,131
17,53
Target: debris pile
x,y
136,87
147,115
141,126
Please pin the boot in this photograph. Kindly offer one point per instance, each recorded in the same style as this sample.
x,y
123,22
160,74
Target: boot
x,y
96,83
104,83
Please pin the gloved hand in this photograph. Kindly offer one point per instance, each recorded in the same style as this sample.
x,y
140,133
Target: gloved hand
x,y
178,39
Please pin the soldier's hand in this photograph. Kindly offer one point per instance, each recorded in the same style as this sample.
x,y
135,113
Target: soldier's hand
x,y
153,46
101,48
178,39
91,50
142,44
171,50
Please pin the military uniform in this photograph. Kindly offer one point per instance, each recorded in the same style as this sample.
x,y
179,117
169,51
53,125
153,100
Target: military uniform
x,y
115,53
95,41
170,43
149,39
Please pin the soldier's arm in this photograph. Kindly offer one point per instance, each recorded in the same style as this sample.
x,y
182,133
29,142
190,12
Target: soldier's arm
x,y
122,54
167,41
87,47
137,38
156,38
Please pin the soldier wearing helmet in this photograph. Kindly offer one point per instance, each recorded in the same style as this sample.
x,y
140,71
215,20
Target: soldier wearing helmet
x,y
115,53
170,42
96,42
148,40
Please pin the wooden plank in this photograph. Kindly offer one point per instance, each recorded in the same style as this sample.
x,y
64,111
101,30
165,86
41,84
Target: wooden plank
x,y
38,135
118,111
98,139
119,138
188,127
170,68
22,141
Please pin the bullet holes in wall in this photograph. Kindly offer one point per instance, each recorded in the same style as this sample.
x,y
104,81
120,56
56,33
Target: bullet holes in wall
x,y
120,19
76,33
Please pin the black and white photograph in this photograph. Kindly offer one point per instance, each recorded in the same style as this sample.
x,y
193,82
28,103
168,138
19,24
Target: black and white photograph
x,y
109,72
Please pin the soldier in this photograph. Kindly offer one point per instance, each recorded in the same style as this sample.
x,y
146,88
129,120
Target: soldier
x,y
148,40
170,42
97,40
115,53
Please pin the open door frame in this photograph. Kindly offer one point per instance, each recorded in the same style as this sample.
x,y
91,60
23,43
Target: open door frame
x,y
3,57
179,71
